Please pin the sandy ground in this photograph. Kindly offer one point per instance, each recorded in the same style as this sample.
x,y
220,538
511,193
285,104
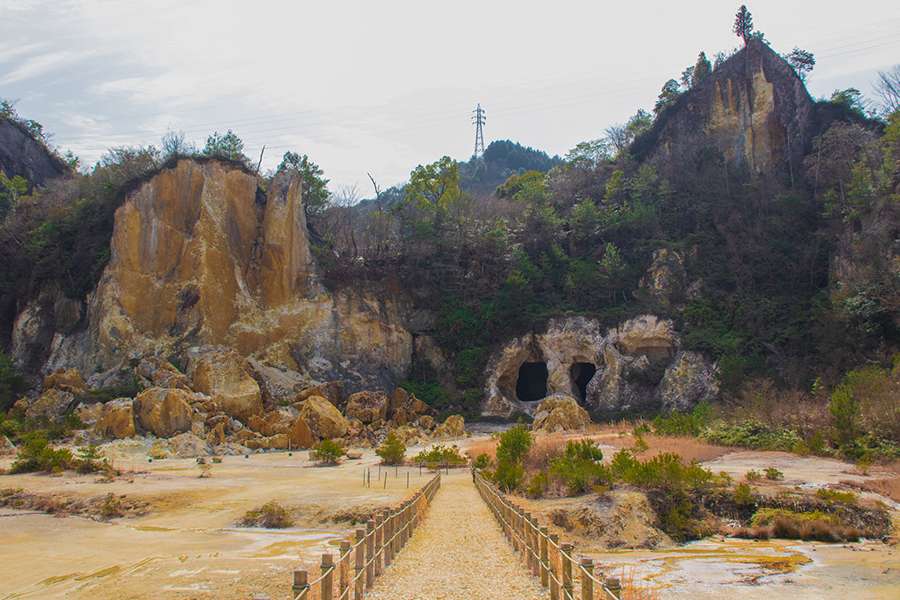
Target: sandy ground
x,y
187,547
459,553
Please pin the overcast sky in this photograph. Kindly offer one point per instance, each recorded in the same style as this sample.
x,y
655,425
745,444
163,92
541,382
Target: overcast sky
x,y
380,85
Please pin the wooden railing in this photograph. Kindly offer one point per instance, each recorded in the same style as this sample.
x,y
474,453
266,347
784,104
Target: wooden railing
x,y
543,554
366,557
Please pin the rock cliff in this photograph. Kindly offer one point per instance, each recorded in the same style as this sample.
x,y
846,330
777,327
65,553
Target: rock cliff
x,y
21,154
200,256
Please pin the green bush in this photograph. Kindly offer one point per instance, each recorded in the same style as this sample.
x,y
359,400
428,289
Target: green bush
x,y
752,475
773,474
440,456
537,486
837,497
392,450
328,452
90,460
514,445
684,423
743,494
482,461
36,454
752,434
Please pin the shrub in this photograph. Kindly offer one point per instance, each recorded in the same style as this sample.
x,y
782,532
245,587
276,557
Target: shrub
x,y
743,495
112,507
844,411
35,454
537,486
767,516
270,515
509,476
752,475
511,451
787,524
392,450
752,434
579,468
440,456
684,423
837,497
482,461
773,474
90,460
328,452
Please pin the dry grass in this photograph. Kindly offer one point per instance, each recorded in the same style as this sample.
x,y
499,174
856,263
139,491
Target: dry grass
x,y
688,448
633,590
488,446
889,487
799,529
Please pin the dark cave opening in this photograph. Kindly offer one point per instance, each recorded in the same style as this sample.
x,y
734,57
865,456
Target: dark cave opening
x,y
581,373
532,382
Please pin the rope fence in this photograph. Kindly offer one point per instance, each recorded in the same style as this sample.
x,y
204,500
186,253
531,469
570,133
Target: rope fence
x,y
544,555
371,551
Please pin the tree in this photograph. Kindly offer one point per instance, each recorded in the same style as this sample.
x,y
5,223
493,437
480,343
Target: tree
x,y
669,94
701,70
887,86
173,145
852,100
434,186
743,24
392,450
802,61
687,77
313,186
228,146
589,154
10,191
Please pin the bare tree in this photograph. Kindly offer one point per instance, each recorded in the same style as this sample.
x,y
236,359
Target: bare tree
x,y
887,86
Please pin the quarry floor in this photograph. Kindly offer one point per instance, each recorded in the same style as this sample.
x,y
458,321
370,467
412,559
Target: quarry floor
x,y
188,547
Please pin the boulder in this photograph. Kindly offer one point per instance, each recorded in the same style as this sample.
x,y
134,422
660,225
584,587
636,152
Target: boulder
x,y
89,414
52,404
368,407
300,434
689,380
188,445
332,391
324,419
66,380
405,407
164,411
560,412
153,371
278,386
216,435
224,375
453,427
273,422
117,419
425,422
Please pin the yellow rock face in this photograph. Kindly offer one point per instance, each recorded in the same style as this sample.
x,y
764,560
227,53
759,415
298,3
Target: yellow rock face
x,y
164,412
198,259
222,374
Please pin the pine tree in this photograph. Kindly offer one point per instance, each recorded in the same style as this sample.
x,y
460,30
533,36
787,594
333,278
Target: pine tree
x,y
743,24
701,70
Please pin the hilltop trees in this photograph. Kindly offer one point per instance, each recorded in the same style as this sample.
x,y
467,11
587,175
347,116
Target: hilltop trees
x,y
314,185
803,62
743,24
228,146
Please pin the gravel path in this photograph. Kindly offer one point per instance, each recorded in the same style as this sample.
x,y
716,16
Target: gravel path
x,y
459,553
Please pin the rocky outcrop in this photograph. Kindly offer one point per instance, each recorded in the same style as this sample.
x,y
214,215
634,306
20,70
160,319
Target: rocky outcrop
x,y
664,284
117,420
560,412
753,109
636,367
67,380
21,154
164,412
453,427
325,421
224,375
153,371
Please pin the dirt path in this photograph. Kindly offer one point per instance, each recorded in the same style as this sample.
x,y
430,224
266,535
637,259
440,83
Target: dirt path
x,y
459,553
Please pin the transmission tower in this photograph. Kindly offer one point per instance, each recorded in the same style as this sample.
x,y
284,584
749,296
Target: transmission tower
x,y
479,116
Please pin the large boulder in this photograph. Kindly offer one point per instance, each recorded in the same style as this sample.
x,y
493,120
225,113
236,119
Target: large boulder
x,y
689,380
368,407
406,408
300,434
279,386
188,445
164,411
66,380
89,413
453,427
225,376
560,412
323,418
52,404
333,391
273,422
117,419
153,371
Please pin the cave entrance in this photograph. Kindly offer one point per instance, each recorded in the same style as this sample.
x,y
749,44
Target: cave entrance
x,y
532,382
582,373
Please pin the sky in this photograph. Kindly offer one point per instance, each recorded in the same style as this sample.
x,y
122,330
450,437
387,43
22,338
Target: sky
x,y
382,86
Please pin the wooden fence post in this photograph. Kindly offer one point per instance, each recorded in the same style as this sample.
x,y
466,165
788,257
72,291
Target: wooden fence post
x,y
359,581
587,583
554,571
545,576
301,585
344,570
377,554
529,546
327,591
370,553
614,586
566,560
